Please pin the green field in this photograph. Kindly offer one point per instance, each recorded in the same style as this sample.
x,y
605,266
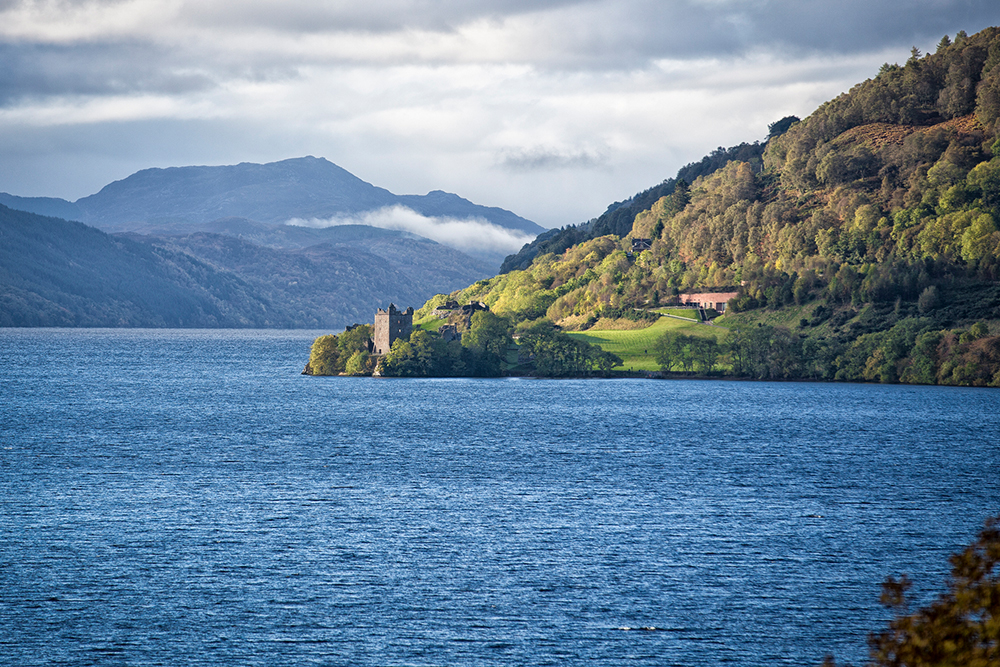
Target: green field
x,y
635,346
687,313
429,324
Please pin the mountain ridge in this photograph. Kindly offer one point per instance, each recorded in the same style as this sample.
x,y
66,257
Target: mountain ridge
x,y
304,188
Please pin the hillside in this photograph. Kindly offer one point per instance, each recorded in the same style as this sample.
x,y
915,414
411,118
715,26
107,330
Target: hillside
x,y
618,217
864,243
59,273
342,280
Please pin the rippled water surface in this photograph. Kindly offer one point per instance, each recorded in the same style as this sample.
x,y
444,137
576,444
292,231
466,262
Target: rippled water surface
x,y
186,497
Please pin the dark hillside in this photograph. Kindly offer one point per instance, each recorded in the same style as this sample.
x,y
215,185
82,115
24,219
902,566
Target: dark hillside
x,y
50,206
332,282
59,273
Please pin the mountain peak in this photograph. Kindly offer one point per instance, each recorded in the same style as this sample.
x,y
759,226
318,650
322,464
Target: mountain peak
x,y
305,187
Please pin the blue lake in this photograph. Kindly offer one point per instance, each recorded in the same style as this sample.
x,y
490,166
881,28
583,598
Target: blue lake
x,y
187,498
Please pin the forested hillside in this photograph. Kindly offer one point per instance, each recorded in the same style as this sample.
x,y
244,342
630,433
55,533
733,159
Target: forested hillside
x,y
620,215
864,243
59,273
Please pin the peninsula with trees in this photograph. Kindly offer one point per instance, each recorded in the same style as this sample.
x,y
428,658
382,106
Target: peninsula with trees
x,y
454,341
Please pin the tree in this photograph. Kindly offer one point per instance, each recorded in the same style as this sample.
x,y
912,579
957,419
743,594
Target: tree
x,y
603,360
401,361
988,98
488,333
705,352
669,350
354,339
779,127
330,354
324,357
488,338
961,626
557,354
678,200
977,240
359,364
750,351
929,299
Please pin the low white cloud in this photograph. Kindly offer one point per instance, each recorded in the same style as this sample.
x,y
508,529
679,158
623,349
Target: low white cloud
x,y
466,234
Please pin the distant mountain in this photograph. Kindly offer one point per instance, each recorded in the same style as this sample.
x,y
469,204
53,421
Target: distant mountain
x,y
305,188
437,204
59,273
51,206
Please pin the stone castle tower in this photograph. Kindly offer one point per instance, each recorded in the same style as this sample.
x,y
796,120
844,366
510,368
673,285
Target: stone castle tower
x,y
389,325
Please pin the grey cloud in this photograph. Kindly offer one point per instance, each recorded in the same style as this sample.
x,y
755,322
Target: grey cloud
x,y
621,33
386,16
598,35
41,70
688,28
624,29
33,70
548,159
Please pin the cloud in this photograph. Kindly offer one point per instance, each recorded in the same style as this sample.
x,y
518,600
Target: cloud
x,y
469,234
592,34
104,47
550,108
34,71
541,158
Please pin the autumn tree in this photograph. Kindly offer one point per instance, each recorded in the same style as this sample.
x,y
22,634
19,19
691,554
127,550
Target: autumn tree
x,y
961,626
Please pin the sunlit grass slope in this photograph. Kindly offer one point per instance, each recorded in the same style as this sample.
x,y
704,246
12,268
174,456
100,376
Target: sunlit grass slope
x,y
636,346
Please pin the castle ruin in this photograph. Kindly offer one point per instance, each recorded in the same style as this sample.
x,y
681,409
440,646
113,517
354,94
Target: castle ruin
x,y
389,325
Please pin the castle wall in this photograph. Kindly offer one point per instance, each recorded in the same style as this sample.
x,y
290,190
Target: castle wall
x,y
389,325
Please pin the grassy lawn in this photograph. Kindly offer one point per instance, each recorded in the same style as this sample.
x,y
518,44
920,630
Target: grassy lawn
x,y
430,324
787,317
635,346
689,313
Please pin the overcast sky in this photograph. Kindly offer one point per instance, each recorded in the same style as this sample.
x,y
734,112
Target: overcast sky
x,y
550,108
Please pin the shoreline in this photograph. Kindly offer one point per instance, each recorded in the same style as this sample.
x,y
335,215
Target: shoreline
x,y
652,375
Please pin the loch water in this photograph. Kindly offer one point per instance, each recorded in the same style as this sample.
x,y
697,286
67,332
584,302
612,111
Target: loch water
x,y
177,497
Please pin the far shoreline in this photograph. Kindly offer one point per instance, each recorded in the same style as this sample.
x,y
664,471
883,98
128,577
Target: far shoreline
x,y
656,375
